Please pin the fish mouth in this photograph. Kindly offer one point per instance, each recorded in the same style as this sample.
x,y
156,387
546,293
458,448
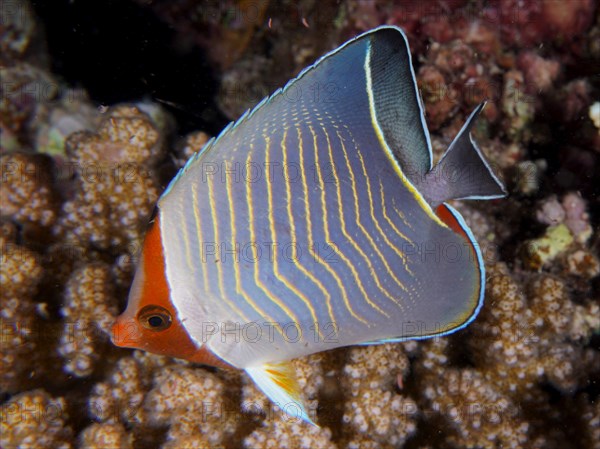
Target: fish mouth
x,y
125,333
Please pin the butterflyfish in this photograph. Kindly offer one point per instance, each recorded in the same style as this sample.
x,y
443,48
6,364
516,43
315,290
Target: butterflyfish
x,y
315,221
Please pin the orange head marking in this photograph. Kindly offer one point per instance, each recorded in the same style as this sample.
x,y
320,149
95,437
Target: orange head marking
x,y
150,321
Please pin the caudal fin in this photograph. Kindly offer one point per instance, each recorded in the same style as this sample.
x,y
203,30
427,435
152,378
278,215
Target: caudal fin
x,y
462,172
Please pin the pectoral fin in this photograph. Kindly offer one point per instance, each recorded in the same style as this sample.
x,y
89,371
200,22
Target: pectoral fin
x,y
278,381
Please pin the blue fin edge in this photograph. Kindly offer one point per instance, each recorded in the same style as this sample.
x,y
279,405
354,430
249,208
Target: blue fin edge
x,y
250,112
481,265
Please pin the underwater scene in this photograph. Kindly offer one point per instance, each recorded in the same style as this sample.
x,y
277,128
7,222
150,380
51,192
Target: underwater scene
x,y
303,224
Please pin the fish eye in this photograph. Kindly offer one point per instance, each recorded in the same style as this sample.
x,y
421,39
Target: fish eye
x,y
155,318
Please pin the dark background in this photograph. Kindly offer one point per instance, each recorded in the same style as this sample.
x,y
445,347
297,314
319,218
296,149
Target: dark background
x,y
120,51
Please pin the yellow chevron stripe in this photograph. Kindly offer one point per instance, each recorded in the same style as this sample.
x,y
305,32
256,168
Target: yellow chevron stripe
x,y
372,212
251,221
200,235
292,222
185,233
360,225
213,213
401,215
390,222
271,216
376,222
311,243
328,237
236,269
348,236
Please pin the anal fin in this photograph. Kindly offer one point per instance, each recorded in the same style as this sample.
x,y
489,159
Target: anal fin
x,y
278,381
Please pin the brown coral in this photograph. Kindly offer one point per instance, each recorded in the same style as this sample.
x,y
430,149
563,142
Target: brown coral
x,y
282,433
26,93
476,409
530,337
373,410
529,23
117,186
192,144
193,403
104,436
33,420
540,73
527,336
20,274
26,193
556,325
118,399
438,94
89,311
506,332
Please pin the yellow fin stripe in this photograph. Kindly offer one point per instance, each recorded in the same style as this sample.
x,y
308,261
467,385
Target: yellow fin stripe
x,y
426,207
279,382
284,376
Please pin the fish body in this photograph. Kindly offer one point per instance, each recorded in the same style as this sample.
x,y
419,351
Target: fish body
x,y
313,222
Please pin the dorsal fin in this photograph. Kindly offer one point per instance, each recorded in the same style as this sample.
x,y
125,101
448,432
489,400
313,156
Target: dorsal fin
x,y
383,57
397,103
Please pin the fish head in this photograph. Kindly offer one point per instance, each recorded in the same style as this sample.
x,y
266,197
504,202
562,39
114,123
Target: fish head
x,y
150,321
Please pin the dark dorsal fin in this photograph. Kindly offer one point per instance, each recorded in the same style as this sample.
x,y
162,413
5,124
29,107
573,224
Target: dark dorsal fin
x,y
397,103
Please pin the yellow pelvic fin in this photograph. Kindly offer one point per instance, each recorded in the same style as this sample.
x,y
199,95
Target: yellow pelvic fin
x,y
278,381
